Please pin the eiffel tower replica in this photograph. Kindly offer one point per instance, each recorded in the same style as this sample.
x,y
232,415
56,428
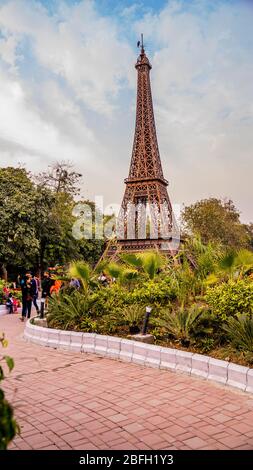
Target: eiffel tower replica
x,y
145,221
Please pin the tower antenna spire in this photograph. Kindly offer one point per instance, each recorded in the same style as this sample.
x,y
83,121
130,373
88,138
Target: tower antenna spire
x,y
141,44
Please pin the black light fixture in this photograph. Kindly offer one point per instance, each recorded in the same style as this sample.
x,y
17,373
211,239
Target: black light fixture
x,y
146,319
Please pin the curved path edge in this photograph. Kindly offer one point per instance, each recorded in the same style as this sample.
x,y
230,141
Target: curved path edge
x,y
223,372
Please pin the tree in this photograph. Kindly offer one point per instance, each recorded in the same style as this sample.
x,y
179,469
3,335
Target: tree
x,y
18,241
61,178
249,229
36,220
31,220
57,244
215,221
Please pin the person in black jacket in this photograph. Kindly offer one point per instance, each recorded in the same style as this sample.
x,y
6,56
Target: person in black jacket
x,y
35,292
46,285
26,289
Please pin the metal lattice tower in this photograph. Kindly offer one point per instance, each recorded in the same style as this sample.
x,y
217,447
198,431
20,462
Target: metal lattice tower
x,y
145,186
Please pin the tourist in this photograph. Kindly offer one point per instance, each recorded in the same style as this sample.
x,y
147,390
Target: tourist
x,y
29,297
46,285
22,282
75,283
9,303
35,292
26,289
56,286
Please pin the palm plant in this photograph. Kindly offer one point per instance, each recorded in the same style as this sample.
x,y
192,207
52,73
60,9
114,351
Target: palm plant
x,y
81,270
244,262
67,311
182,324
149,262
182,279
240,332
115,270
227,264
203,258
122,274
101,266
232,265
206,261
133,314
130,316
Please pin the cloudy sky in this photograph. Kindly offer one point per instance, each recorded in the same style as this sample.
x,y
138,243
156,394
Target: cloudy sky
x,y
68,90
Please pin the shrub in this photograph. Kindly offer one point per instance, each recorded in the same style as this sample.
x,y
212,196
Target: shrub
x,y
240,332
183,324
153,292
108,300
68,311
208,332
231,298
115,298
132,316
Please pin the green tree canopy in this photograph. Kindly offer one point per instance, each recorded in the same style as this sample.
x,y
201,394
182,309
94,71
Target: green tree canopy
x,y
36,219
216,221
18,241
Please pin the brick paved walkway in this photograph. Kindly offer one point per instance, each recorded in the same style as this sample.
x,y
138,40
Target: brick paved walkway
x,y
67,400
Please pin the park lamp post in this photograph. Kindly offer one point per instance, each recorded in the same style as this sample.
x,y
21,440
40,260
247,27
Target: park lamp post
x,y
146,319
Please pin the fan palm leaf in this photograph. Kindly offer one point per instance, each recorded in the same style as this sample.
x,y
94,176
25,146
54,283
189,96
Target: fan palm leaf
x,y
182,323
81,270
244,261
240,332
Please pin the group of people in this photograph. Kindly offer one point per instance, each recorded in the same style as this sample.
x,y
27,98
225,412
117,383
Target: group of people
x,y
30,286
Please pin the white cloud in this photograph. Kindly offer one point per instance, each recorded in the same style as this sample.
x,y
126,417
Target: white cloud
x,y
76,45
58,75
66,91
25,127
202,85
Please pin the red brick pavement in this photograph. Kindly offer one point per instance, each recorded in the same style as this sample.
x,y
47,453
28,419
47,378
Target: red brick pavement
x,y
69,400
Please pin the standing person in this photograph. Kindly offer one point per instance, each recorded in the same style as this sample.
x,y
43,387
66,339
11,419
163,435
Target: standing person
x,y
29,298
35,292
22,282
26,289
46,285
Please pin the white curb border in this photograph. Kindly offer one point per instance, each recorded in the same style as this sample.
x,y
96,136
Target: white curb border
x,y
126,350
